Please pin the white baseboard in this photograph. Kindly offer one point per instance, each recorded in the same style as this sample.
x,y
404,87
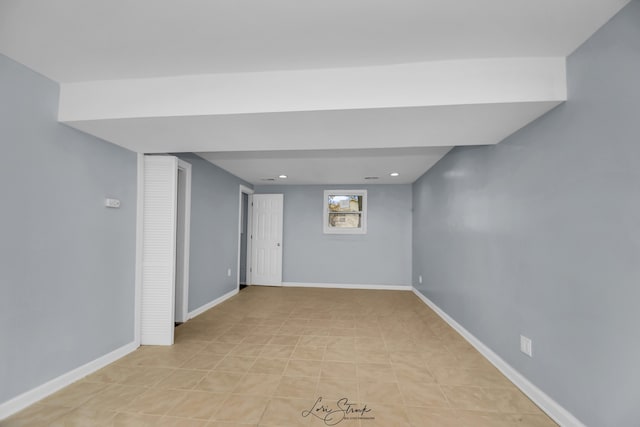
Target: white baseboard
x,y
212,304
546,403
348,286
30,397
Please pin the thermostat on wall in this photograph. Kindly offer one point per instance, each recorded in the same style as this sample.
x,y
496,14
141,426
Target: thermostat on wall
x,y
112,203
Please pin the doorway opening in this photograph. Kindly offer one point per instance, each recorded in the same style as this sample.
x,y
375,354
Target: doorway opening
x,y
181,303
243,240
244,237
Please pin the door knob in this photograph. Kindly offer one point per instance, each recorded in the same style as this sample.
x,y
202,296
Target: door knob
x,y
278,244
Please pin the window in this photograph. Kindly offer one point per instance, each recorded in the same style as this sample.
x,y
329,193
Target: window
x,y
345,211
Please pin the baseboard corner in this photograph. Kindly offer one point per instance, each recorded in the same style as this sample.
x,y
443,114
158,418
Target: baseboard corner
x,y
552,408
198,311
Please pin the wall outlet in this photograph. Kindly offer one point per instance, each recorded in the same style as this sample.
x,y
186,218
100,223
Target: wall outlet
x,y
420,279
525,345
228,272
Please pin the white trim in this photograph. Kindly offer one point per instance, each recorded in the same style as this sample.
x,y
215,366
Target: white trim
x,y
139,249
186,168
347,286
32,396
212,304
246,190
540,398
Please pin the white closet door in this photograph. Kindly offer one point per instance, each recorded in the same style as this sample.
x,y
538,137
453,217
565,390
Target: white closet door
x,y
159,246
266,239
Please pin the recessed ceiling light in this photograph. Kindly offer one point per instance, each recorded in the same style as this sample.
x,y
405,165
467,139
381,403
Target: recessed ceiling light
x,y
394,174
282,176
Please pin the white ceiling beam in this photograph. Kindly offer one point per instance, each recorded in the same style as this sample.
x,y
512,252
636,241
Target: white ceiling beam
x,y
441,126
440,83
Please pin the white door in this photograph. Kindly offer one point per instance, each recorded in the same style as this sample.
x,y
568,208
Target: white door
x,y
266,239
165,247
159,250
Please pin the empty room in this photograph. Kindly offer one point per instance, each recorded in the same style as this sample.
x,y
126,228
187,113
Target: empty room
x,y
323,213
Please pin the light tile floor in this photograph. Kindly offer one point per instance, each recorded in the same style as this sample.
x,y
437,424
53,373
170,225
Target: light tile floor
x,y
265,357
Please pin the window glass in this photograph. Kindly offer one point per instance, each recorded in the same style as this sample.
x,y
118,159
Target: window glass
x,y
345,211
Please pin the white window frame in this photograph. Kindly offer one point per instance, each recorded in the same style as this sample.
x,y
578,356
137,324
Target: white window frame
x,y
363,214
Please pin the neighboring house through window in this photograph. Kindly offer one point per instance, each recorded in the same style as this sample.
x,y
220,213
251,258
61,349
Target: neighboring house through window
x,y
345,212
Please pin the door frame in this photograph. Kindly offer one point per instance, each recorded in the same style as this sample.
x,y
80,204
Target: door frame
x,y
186,169
249,192
137,319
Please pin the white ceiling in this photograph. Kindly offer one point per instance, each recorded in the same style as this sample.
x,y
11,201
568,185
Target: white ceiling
x,y
329,166
83,40
108,43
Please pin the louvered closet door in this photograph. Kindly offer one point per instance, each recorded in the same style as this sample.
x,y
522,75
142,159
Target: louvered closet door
x,y
159,246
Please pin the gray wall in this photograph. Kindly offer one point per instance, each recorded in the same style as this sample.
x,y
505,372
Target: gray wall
x,y
67,263
540,235
381,257
214,231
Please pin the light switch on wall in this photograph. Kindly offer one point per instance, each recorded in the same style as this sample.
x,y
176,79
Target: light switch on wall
x,y
112,203
526,345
